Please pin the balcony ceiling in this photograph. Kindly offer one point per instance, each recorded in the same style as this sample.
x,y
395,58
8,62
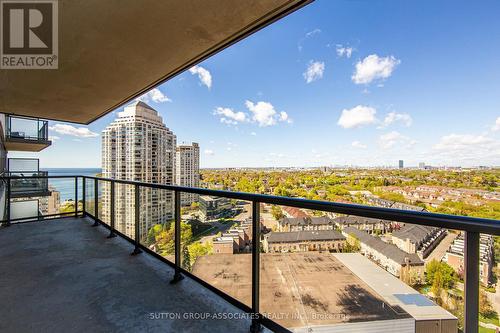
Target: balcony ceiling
x,y
113,51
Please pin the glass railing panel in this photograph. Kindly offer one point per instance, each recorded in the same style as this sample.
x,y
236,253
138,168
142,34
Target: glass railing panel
x,y
27,129
105,201
62,196
23,165
3,200
89,196
156,222
216,244
124,208
23,209
333,271
22,183
100,209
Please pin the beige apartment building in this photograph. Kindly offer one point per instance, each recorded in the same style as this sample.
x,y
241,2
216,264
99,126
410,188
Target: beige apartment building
x,y
187,170
138,146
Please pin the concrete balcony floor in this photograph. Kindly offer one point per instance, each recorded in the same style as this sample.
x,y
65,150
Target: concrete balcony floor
x,y
63,275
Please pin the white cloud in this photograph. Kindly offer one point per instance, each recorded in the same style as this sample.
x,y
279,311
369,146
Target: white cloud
x,y
264,114
462,141
356,117
313,32
261,113
306,36
374,67
314,71
53,137
496,127
389,140
203,74
253,134
344,51
209,152
154,95
65,129
480,149
284,117
394,117
229,116
357,144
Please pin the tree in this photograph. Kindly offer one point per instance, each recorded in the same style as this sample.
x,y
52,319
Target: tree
x,y
440,274
485,307
165,240
352,245
277,212
198,249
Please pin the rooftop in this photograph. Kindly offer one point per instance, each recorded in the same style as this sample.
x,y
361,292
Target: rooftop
x,y
309,235
78,280
391,251
349,219
306,220
415,233
393,290
289,288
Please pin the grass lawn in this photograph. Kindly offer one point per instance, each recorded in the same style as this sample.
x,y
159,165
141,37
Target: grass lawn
x,y
485,330
490,320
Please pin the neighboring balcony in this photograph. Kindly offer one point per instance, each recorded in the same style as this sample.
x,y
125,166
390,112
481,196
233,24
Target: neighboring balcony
x,y
24,182
26,134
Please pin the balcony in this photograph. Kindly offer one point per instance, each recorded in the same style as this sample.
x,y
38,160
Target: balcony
x,y
83,272
71,278
26,134
22,182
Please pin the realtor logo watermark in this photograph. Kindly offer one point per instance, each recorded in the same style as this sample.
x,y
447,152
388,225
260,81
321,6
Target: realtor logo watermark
x,y
29,34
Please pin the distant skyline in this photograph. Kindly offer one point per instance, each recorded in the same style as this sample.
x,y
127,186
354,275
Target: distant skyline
x,y
365,83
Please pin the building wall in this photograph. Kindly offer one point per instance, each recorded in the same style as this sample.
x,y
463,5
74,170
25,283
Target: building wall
x,y
405,244
436,326
457,262
213,207
138,146
187,170
223,247
303,246
390,265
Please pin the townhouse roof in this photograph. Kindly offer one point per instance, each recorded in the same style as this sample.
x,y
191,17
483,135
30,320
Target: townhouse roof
x,y
388,250
300,236
321,220
415,233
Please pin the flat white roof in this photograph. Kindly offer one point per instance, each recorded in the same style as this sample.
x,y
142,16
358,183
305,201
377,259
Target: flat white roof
x,y
391,289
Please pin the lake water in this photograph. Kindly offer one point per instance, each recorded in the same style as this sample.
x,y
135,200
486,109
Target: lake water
x,y
67,186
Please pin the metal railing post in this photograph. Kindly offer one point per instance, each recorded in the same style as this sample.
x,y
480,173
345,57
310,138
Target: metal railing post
x,y
256,326
96,203
76,196
137,250
83,196
471,282
7,208
112,210
177,222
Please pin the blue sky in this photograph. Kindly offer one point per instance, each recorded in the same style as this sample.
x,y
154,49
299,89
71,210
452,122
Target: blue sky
x,y
338,82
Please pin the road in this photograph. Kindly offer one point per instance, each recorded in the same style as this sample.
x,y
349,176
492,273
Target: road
x,y
440,250
221,227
